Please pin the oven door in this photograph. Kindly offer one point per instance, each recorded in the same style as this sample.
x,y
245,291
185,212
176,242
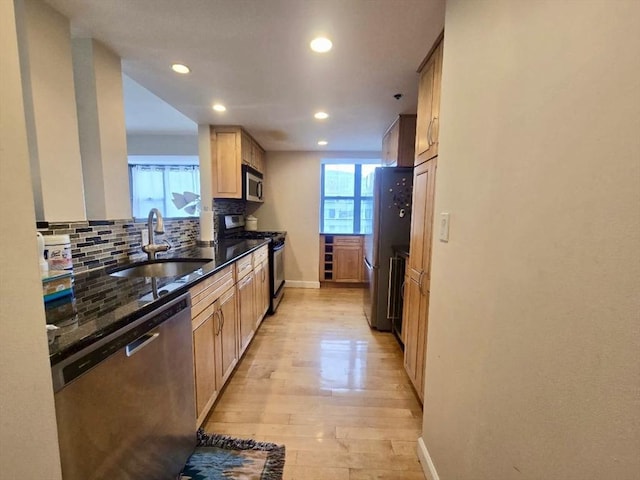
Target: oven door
x,y
278,269
251,184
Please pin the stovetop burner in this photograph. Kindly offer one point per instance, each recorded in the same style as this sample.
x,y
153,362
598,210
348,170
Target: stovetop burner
x,y
232,226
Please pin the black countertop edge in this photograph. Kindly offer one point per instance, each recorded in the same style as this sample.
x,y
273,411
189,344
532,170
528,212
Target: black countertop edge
x,y
134,302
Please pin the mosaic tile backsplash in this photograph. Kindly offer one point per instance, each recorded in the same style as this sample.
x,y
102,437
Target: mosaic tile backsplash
x,y
103,243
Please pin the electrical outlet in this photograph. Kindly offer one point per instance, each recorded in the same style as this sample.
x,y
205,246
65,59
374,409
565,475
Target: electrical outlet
x,y
144,237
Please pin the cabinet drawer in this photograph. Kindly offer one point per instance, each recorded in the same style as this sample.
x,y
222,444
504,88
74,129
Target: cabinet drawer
x,y
342,240
244,266
260,255
210,289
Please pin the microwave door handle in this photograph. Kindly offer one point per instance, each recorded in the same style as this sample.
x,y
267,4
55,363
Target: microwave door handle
x,y
260,190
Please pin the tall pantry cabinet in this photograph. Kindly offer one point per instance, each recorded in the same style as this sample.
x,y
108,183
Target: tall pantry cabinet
x,y
418,270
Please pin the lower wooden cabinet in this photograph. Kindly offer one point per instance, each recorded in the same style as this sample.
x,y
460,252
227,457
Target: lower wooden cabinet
x,y
342,259
415,312
225,317
226,345
246,314
261,283
418,274
205,364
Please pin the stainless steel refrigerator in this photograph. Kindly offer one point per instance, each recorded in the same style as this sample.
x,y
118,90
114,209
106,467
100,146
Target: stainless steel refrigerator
x,y
392,189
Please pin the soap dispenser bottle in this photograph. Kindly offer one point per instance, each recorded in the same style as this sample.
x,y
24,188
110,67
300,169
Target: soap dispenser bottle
x,y
44,266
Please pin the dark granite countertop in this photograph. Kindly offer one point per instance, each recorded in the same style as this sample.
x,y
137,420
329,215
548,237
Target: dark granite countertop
x,y
102,304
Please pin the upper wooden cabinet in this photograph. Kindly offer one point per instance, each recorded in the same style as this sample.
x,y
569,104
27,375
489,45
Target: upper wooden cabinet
x,y
252,154
230,148
428,121
398,143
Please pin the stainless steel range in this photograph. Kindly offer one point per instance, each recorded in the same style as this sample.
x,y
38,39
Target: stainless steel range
x,y
232,226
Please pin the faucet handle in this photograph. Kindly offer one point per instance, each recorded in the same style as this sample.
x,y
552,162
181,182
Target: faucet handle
x,y
165,247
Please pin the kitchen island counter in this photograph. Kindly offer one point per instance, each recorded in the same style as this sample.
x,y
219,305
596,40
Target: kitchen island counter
x,y
101,304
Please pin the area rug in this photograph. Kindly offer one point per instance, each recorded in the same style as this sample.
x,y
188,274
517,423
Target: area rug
x,y
219,457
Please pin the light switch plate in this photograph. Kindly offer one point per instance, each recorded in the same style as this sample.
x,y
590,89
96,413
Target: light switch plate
x,y
444,227
144,237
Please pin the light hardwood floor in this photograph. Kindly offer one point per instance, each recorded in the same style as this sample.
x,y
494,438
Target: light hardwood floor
x,y
317,379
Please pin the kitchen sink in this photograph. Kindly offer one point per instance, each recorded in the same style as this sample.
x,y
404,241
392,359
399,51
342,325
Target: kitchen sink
x,y
160,268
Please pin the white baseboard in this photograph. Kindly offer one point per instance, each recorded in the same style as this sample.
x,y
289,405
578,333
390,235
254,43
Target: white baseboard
x,y
428,467
301,284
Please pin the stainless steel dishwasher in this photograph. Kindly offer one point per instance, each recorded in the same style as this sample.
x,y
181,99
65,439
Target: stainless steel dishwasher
x,y
125,405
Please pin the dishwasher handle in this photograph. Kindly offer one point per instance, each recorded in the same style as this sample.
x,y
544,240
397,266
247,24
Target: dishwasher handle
x,y
139,343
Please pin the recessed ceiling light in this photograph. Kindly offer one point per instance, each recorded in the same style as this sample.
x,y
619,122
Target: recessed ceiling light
x,y
179,68
219,108
321,115
321,44
322,143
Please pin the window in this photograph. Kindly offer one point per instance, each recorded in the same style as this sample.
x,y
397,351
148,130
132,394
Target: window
x,y
154,186
347,198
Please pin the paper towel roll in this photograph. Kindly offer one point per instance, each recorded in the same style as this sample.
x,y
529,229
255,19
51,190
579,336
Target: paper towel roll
x,y
206,226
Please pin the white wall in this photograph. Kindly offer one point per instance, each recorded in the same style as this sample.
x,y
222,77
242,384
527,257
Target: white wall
x,y
45,48
103,141
292,203
28,435
143,144
534,326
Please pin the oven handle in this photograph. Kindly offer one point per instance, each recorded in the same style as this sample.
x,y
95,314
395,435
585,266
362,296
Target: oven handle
x,y
279,247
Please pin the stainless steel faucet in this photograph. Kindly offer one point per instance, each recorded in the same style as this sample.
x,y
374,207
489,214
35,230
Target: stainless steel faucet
x,y
151,249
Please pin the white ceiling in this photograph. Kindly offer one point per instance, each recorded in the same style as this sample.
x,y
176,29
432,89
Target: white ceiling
x,y
253,56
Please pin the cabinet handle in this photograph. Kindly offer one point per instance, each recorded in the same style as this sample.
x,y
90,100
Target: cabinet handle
x,y
402,290
435,120
222,316
216,330
429,132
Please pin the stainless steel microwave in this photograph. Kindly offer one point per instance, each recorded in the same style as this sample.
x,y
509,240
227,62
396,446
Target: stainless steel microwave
x,y
251,184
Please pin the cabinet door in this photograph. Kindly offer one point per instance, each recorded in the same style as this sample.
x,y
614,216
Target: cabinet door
x,y
410,326
390,145
416,311
226,162
247,316
425,103
226,338
261,279
246,150
428,121
204,364
347,263
418,273
406,146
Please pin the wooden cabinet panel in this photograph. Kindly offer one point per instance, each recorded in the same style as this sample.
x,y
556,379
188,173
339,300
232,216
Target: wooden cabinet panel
x,y
416,309
244,266
226,162
418,273
341,259
246,314
398,144
230,148
226,338
261,279
204,365
428,121
347,263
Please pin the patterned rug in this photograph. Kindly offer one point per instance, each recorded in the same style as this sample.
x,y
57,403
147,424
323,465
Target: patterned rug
x,y
219,457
